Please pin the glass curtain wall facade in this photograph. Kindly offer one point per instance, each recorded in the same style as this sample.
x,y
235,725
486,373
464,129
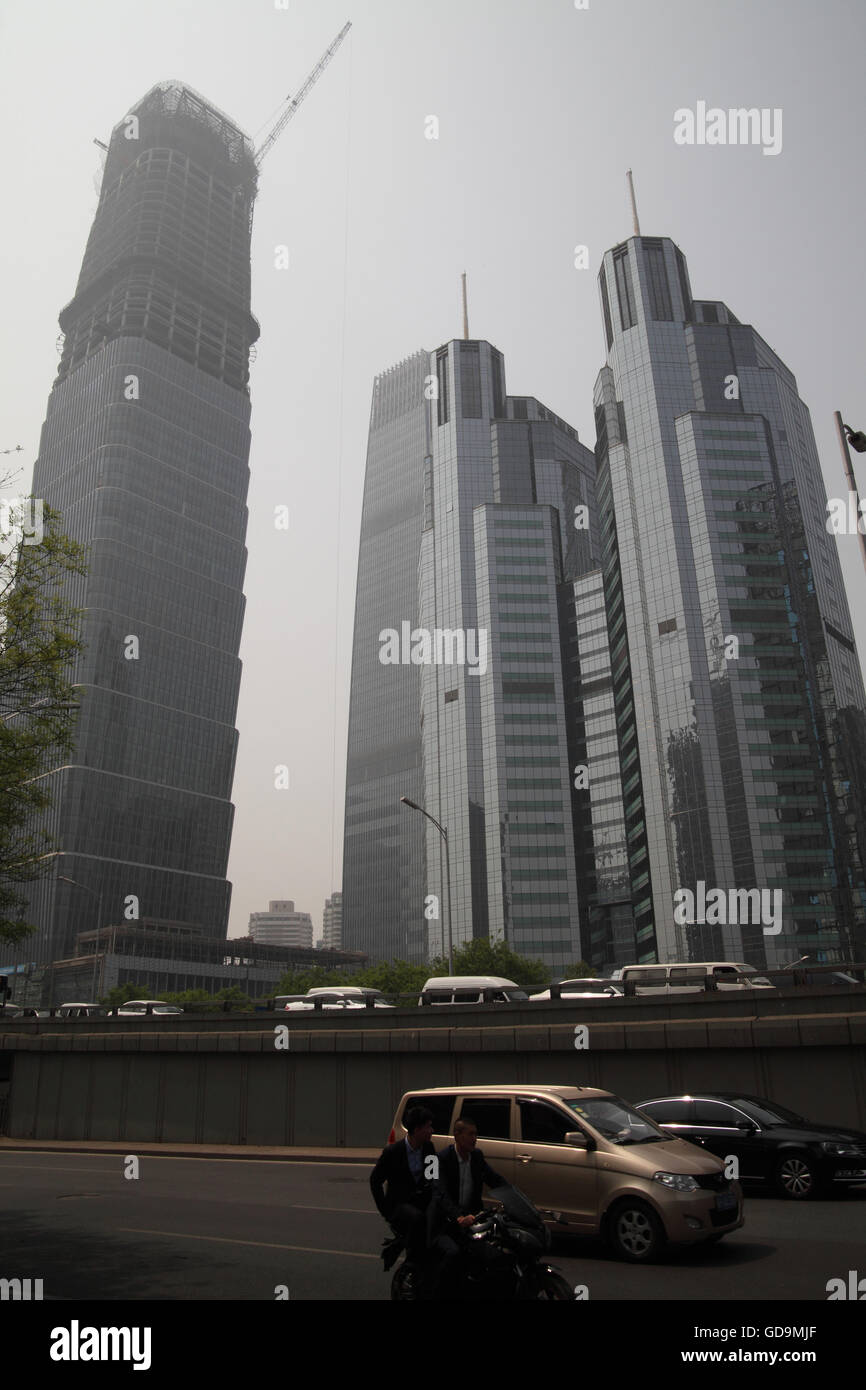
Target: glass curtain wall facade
x,y
464,629
532,884
736,682
607,917
145,453
501,541
384,842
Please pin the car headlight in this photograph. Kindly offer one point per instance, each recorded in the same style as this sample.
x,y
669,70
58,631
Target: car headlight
x,y
678,1182
832,1146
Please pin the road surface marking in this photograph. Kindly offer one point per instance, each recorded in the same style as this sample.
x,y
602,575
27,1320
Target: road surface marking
x,y
45,1169
196,1158
350,1211
261,1244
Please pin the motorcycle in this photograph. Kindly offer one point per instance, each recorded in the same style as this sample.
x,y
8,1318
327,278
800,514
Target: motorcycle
x,y
500,1258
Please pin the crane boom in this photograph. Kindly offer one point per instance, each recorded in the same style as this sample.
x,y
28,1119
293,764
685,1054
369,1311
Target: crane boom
x,y
292,103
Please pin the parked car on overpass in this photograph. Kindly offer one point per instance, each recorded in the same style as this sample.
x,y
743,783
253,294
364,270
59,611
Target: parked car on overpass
x,y
348,997
690,977
583,989
74,1010
471,989
141,1008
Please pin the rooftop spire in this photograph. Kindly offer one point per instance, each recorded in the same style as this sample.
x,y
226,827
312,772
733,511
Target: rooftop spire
x,y
633,203
465,308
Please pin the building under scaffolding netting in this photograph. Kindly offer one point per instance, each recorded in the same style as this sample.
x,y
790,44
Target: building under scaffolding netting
x,y
145,453
168,258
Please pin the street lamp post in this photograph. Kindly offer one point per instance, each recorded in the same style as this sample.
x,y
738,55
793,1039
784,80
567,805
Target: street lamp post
x,y
444,833
62,878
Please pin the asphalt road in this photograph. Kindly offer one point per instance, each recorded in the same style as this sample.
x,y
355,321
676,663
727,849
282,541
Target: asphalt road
x,y
191,1228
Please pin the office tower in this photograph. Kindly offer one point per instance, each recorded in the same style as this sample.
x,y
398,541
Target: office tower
x,y
383,846
607,916
332,922
281,925
144,452
504,487
498,519
737,688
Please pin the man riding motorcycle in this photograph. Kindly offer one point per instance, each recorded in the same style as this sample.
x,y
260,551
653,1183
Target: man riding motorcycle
x,y
415,1204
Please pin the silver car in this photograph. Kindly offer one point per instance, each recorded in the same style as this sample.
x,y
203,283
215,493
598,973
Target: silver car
x,y
584,989
139,1008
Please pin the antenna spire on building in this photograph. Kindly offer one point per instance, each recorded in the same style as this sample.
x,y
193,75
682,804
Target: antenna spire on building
x,y
465,308
633,203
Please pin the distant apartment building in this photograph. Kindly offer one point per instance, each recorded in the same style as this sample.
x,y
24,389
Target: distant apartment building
x,y
332,923
281,925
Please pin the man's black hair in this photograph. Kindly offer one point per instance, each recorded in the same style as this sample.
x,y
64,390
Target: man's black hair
x,y
464,1122
418,1115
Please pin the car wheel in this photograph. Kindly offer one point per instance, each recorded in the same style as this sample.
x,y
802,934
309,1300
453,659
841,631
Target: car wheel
x,y
635,1232
796,1178
553,1286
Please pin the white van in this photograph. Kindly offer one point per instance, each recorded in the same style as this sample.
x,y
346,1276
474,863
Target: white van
x,y
690,978
471,989
353,994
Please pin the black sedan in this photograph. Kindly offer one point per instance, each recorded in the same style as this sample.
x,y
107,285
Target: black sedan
x,y
771,1144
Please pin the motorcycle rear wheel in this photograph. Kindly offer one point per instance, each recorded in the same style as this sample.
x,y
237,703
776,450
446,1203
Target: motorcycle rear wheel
x,y
553,1286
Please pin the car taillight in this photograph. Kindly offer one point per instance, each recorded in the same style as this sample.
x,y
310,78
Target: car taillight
x,y
392,1138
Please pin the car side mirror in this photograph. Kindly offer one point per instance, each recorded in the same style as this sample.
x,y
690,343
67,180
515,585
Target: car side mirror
x,y
578,1140
747,1126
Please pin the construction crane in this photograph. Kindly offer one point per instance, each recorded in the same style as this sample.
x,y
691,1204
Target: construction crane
x,y
292,103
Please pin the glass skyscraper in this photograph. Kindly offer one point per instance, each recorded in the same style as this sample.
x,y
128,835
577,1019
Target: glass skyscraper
x,y
736,685
478,515
145,452
383,843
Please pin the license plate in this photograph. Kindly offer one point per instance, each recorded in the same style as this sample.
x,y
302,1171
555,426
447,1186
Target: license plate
x,y
851,1173
726,1202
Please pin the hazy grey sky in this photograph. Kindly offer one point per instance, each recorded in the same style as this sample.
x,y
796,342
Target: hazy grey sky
x,y
542,107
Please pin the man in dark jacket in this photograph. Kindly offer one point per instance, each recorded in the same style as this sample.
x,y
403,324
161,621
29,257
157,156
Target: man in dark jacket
x,y
414,1203
464,1171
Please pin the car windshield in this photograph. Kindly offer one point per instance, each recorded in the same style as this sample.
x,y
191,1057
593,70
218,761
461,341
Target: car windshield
x,y
766,1112
618,1121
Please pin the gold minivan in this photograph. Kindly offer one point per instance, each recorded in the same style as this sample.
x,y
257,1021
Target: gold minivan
x,y
590,1160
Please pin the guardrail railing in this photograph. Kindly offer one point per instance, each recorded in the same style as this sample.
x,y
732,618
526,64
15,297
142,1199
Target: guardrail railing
x,y
688,981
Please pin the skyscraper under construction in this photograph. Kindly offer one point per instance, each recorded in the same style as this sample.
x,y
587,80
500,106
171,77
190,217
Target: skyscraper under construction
x,y
145,452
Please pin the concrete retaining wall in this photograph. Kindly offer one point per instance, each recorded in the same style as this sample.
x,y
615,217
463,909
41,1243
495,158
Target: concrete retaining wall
x,y
339,1086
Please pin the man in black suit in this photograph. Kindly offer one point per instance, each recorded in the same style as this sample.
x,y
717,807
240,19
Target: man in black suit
x,y
464,1171
412,1183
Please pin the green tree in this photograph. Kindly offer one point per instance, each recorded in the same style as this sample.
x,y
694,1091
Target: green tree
x,y
38,643
485,957
119,994
395,977
577,972
299,981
